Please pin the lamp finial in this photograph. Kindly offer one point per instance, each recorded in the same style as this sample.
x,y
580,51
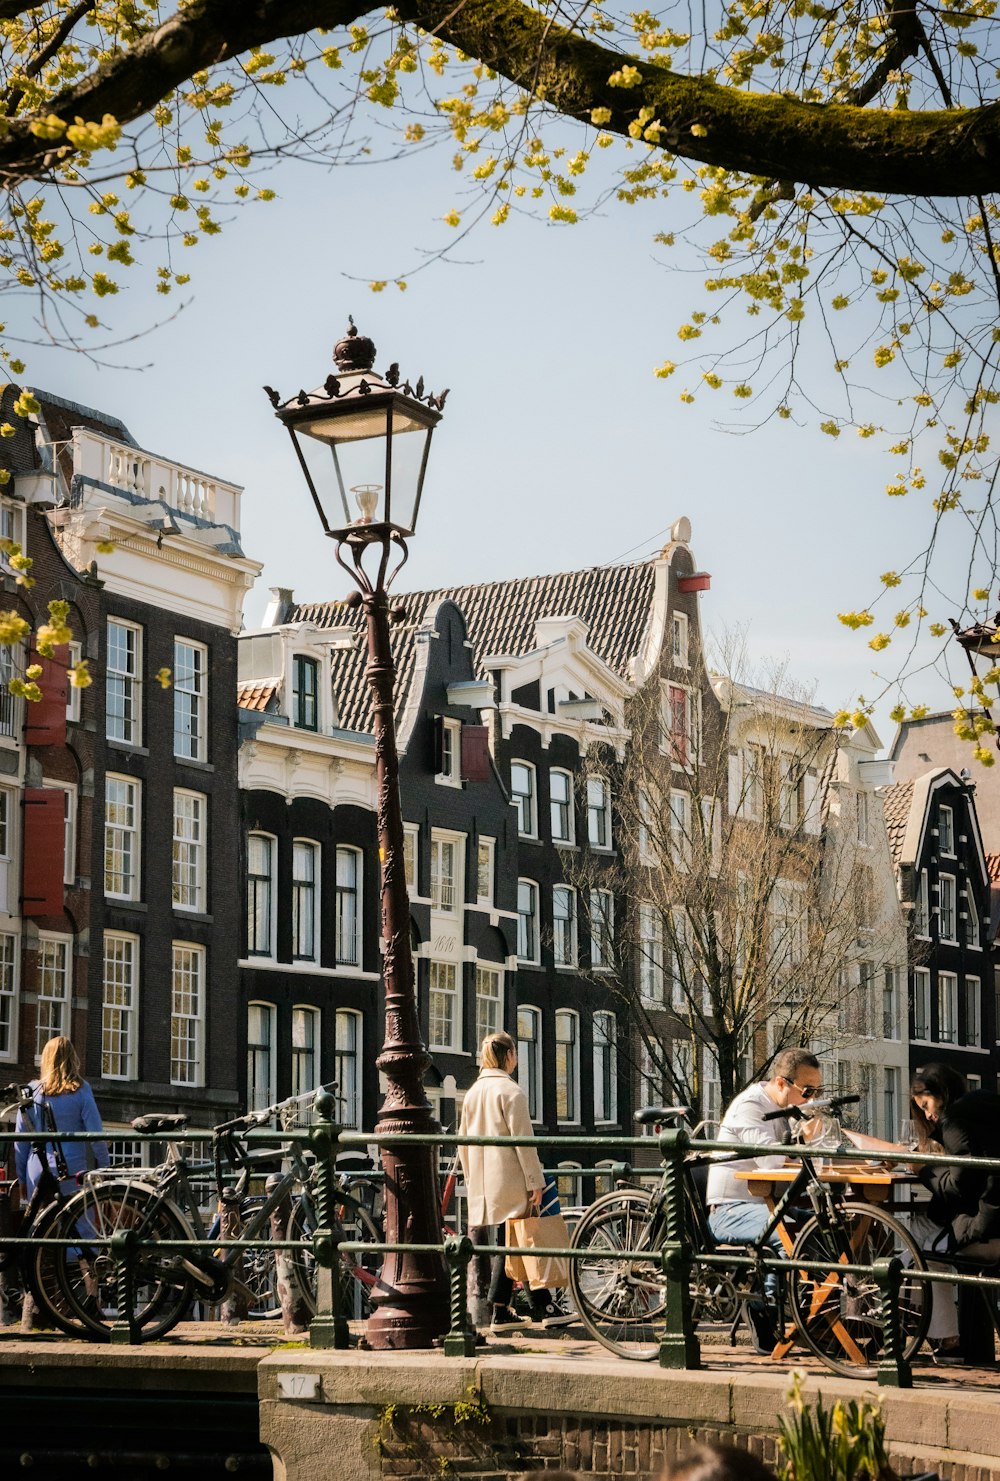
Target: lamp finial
x,y
355,351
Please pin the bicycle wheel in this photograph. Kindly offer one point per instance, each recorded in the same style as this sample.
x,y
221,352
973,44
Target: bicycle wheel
x,y
40,1269
260,1274
358,1271
87,1275
620,1302
837,1316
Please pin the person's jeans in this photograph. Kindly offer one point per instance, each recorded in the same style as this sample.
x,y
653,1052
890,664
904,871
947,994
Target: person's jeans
x,y
744,1223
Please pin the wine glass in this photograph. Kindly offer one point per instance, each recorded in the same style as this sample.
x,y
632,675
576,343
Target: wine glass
x,y
908,1135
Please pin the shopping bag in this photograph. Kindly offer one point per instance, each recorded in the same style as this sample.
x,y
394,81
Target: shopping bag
x,y
548,1272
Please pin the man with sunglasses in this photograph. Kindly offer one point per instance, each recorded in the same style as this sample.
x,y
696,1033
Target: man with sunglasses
x,y
734,1215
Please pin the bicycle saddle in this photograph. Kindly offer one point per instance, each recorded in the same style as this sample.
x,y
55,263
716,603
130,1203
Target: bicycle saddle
x,y
649,1114
156,1123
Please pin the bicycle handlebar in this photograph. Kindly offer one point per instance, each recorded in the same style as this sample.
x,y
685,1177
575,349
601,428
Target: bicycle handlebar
x,y
803,1112
252,1119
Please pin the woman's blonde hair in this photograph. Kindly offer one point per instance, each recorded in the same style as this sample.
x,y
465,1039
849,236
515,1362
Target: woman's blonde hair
x,y
60,1068
496,1050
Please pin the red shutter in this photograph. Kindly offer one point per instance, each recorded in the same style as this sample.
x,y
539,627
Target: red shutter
x,y
44,850
475,753
45,721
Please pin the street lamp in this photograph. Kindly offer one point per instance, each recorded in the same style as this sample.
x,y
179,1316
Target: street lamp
x,y
981,637
379,435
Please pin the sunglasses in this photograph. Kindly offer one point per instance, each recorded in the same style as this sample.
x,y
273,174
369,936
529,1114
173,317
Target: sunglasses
x,y
806,1091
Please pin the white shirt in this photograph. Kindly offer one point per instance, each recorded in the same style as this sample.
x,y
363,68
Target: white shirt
x,y
744,1122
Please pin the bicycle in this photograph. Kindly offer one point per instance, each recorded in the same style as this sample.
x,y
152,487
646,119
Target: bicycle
x,y
79,1285
622,1302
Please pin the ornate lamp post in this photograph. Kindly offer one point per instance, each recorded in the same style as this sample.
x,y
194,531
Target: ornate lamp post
x,y
984,638
379,435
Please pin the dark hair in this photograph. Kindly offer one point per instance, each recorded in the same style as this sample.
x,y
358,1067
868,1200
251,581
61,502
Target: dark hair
x,y
717,1463
941,1081
788,1062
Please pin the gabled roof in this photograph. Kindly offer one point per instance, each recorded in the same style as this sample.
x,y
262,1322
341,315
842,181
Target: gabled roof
x,y
615,602
993,867
256,696
897,801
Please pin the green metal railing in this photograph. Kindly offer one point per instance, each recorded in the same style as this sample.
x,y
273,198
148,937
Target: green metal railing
x,y
679,1347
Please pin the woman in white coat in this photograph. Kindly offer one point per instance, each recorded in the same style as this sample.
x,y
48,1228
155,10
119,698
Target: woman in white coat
x,y
502,1182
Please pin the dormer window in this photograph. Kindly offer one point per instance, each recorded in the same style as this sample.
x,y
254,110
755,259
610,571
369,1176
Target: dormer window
x,y
946,830
449,749
305,692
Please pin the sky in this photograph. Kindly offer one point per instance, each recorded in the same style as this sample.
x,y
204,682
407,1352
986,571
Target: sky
x,y
559,448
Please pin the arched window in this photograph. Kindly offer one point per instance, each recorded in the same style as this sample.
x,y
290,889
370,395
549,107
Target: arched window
x,y
348,1066
561,806
305,895
262,854
305,1049
567,1066
261,1068
605,1067
527,920
349,907
529,1058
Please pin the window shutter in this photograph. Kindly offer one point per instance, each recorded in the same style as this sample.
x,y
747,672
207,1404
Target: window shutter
x,y
45,721
44,850
475,753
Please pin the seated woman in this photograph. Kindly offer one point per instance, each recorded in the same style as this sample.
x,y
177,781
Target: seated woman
x,y
964,1211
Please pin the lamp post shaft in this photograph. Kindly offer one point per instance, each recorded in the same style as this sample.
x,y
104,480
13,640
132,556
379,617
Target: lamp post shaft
x,y
411,1302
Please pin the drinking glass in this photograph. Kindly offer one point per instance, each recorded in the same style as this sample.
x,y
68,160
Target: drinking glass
x,y
908,1135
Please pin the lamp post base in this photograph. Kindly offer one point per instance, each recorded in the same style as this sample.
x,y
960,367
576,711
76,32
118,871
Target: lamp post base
x,y
411,1298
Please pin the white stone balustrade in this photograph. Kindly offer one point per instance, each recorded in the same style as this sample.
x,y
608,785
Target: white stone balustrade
x,y
146,476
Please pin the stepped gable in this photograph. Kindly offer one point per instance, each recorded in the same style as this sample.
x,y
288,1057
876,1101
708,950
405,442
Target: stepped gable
x,y
613,601
897,801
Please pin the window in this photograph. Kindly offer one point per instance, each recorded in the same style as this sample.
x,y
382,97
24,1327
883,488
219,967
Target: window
x,y
598,813
348,1066
489,1002
187,1015
190,811
947,1005
569,1184
527,920
946,830
11,528
8,995
445,1009
305,1050
122,799
865,1115
74,694
529,1058
680,830
605,1067
54,988
411,843
522,787
124,682
652,1080
946,919
863,802
973,1012
305,893
711,1090
69,833
679,639
890,1002
678,724
921,1003
683,970
971,920
564,926
644,839
711,833
349,907
305,692
445,859
791,791
682,1066
650,954
890,1102
450,759
261,1089
260,894
567,1066
120,1007
561,806
8,806
484,871
922,921
11,666
602,930
190,700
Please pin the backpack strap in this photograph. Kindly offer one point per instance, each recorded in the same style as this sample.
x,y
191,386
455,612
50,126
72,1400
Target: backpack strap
x,y
62,1169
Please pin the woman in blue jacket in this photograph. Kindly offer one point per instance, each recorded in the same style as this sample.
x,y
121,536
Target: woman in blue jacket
x,y
61,1085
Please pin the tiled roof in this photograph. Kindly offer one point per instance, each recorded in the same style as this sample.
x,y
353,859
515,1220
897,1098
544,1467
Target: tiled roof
x,y
993,867
256,696
897,801
59,417
613,601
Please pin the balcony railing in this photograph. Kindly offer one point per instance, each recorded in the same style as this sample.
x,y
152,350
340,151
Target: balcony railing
x,y
143,475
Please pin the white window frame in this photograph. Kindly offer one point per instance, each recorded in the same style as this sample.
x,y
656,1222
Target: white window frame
x,y
257,884
10,967
528,923
947,1006
651,953
8,819
922,911
69,792
948,915
974,1012
123,839
189,852
11,528
450,774
305,663
53,1010
74,694
680,829
562,809
564,933
485,864
127,681
411,857
526,802
349,947
188,982
307,891
349,1084
791,791
530,1059
444,985
679,649
190,683
891,978
305,1055
602,930
922,1004
973,939
569,1184
447,887
262,1091
119,1020
568,1067
489,1001
605,1057
891,1102
683,756
599,813
946,830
